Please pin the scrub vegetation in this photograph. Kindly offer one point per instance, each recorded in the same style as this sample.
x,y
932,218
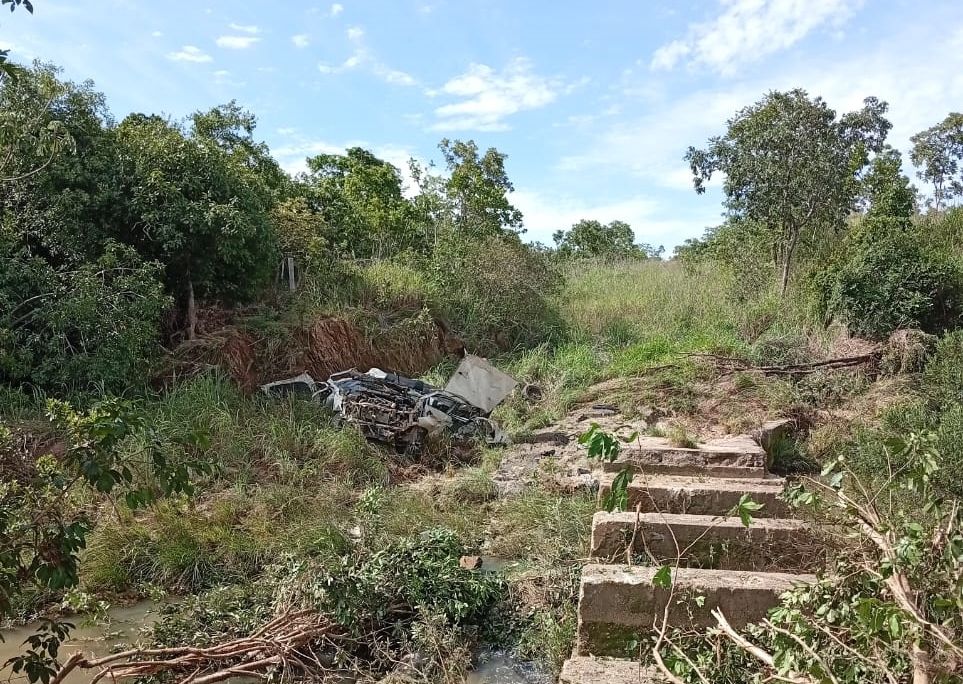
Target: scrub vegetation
x,y
145,292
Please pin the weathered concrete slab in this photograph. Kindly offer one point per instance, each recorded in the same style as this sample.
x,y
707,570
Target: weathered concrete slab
x,y
739,457
770,433
589,670
700,495
619,604
705,541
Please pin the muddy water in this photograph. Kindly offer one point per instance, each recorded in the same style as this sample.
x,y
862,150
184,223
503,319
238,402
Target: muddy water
x,y
502,668
122,629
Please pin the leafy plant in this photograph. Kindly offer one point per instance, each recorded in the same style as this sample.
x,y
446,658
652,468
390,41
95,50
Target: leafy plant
x,y
744,508
43,532
888,280
602,446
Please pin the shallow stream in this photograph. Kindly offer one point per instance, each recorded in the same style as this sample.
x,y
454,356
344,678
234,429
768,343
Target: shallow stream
x,y
122,628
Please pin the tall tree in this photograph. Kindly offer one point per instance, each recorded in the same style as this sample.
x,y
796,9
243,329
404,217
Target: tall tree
x,y
792,167
478,188
938,152
886,191
231,128
197,210
593,238
31,131
360,197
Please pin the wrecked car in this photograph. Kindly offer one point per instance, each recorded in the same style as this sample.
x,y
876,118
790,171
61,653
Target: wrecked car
x,y
403,412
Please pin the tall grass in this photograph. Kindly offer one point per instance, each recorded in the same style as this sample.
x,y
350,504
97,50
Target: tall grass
x,y
633,300
622,320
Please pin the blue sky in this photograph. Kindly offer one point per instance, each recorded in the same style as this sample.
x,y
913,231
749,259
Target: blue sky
x,y
595,103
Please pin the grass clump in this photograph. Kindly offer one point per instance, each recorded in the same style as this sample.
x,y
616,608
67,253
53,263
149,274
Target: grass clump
x,y
680,438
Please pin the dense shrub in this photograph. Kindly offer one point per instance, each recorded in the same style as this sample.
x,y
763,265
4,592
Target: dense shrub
x,y
495,290
938,412
887,280
943,376
388,601
75,328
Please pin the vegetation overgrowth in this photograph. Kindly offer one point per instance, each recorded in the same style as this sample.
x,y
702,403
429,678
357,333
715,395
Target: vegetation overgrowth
x,y
151,259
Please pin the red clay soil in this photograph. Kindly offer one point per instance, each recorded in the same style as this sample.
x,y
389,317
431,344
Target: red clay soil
x,y
326,346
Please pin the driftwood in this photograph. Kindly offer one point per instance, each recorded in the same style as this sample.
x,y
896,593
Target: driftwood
x,y
287,642
732,364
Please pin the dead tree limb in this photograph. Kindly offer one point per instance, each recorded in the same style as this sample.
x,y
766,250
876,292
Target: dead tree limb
x,y
284,642
733,364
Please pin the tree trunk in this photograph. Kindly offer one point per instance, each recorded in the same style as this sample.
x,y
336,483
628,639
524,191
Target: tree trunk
x,y
784,281
787,262
191,311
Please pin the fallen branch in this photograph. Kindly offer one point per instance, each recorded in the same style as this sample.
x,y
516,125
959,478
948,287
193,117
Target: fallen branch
x,y
732,364
285,642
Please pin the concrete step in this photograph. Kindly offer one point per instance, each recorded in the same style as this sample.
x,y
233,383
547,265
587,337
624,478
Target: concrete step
x,y
700,495
619,604
705,541
588,670
739,457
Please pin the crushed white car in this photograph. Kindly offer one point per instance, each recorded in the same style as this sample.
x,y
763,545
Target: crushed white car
x,y
403,412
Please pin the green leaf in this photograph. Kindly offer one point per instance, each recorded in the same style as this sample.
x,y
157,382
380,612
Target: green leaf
x,y
618,496
745,508
663,577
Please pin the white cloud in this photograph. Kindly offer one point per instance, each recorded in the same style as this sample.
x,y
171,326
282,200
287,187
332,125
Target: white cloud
x,y
222,73
488,97
189,53
363,58
301,40
157,34
392,76
749,30
236,42
336,9
244,28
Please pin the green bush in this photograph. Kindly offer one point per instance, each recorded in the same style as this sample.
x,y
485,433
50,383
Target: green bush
x,y
495,291
943,375
888,280
73,329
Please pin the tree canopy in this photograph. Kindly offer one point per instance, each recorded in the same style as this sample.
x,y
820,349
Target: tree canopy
x,y
593,238
361,197
791,166
938,152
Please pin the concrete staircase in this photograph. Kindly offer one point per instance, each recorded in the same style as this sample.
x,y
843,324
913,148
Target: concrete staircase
x,y
684,496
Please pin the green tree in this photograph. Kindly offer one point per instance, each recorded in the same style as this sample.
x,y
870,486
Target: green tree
x,y
77,309
478,188
887,192
231,128
791,166
593,238
31,132
197,210
937,152
360,197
